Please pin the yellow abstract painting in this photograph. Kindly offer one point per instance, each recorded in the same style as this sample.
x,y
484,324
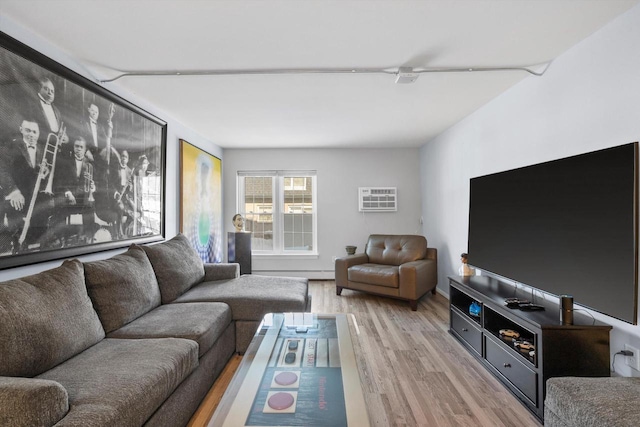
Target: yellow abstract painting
x,y
201,201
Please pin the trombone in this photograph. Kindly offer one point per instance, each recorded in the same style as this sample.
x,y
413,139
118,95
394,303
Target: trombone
x,y
47,168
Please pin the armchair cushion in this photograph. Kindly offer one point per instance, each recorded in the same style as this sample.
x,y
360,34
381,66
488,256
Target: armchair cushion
x,y
375,274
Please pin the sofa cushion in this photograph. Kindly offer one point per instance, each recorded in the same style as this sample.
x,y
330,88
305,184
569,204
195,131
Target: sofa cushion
x,y
375,274
122,288
395,249
31,402
177,265
602,402
45,319
252,296
202,322
123,382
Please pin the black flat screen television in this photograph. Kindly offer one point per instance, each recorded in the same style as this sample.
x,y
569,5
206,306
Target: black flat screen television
x,y
567,226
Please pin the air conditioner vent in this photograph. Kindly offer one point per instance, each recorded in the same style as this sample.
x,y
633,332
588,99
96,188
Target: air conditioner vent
x,y
377,199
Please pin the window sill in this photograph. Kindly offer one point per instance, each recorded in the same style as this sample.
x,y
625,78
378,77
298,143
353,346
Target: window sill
x,y
285,256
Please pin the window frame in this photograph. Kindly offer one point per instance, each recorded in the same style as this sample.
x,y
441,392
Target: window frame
x,y
278,202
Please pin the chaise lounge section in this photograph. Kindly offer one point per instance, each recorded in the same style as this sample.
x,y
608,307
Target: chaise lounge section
x,y
107,343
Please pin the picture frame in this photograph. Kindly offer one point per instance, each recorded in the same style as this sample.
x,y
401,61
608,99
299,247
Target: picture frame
x,y
82,170
201,201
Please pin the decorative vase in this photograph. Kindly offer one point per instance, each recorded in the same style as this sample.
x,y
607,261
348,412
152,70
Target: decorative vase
x,y
350,249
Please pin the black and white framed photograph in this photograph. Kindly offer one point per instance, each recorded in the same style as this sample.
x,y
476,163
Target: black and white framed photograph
x,y
81,169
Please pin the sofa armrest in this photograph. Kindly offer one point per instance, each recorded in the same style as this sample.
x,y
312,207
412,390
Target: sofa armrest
x,y
31,402
343,264
417,278
432,253
221,271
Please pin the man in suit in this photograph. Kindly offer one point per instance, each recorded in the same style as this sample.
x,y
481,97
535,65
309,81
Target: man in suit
x,y
20,166
94,133
130,211
45,112
77,186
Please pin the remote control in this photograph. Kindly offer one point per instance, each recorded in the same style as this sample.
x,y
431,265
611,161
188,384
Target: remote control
x,y
515,302
290,358
531,307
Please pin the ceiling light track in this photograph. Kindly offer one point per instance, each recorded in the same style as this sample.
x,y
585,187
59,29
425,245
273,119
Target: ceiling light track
x,y
396,71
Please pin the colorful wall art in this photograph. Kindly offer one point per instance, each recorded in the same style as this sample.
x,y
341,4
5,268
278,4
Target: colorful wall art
x,y
201,201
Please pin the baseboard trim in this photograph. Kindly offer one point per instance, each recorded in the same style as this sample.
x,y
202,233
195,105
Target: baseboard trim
x,y
308,274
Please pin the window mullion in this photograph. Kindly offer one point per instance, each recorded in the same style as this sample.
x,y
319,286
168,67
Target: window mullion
x,y
279,209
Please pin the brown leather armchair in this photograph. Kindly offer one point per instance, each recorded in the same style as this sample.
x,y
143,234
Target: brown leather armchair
x,y
397,266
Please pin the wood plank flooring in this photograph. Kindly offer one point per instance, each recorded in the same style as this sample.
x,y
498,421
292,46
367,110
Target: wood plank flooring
x,y
413,372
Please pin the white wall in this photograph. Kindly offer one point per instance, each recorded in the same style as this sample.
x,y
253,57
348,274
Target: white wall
x,y
589,99
175,131
339,174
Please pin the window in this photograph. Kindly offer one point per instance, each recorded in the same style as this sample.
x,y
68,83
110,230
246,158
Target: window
x,y
279,208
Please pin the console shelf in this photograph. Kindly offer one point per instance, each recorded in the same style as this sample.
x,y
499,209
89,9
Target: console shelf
x,y
545,348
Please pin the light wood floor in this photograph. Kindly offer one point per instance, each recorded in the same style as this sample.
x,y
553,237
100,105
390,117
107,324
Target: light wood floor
x,y
413,372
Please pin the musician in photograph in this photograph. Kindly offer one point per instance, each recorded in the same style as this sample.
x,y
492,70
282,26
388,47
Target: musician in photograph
x,y
140,172
130,210
23,180
76,188
106,174
124,172
43,110
94,132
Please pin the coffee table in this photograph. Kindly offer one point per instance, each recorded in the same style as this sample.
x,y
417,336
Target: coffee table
x,y
299,370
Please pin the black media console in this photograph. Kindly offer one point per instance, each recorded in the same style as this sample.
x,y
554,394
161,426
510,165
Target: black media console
x,y
581,349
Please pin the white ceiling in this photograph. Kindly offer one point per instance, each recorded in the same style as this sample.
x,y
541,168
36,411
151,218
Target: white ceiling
x,y
314,110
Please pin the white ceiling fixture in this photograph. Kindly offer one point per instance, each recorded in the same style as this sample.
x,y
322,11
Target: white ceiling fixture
x,y
403,74
287,110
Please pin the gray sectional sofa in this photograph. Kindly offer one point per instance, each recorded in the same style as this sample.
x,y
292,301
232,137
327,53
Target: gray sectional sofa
x,y
136,339
592,402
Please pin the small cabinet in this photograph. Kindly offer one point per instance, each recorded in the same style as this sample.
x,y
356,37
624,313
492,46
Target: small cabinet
x,y
524,349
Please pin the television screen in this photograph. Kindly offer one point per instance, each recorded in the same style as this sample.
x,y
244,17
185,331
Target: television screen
x,y
567,226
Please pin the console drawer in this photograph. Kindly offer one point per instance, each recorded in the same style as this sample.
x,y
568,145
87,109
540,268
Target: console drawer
x,y
512,369
467,330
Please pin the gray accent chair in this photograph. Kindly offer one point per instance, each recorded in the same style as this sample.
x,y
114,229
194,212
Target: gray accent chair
x,y
107,343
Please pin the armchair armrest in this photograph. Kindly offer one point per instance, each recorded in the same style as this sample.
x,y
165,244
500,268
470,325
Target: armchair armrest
x,y
221,271
343,264
418,278
31,402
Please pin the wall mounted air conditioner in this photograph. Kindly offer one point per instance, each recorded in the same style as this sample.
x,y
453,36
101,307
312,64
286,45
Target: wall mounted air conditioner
x,y
377,199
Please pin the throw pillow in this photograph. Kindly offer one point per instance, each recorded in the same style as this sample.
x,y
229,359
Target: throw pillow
x,y
122,288
45,319
177,265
